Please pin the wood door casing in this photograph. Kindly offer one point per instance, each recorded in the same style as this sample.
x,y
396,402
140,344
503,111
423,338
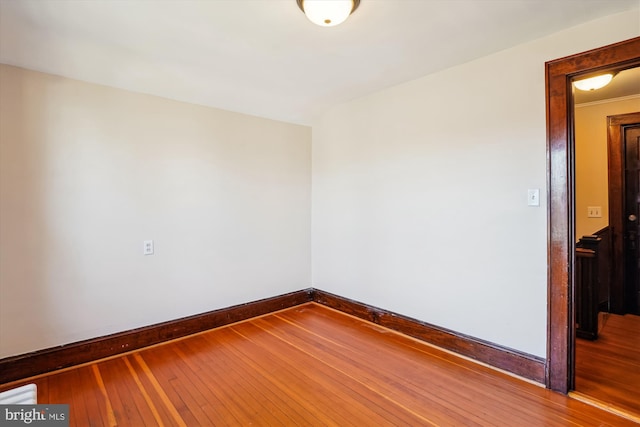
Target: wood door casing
x,y
561,203
615,137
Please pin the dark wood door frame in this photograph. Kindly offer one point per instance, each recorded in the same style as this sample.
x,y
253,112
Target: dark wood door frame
x,y
615,137
561,201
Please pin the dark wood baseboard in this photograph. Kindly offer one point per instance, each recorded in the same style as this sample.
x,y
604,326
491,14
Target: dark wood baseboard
x,y
42,361
522,364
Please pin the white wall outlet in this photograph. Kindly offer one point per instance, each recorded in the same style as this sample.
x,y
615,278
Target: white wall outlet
x,y
533,197
594,211
147,247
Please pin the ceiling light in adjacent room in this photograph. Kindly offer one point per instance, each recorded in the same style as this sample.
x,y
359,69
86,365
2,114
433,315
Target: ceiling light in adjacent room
x,y
328,13
594,83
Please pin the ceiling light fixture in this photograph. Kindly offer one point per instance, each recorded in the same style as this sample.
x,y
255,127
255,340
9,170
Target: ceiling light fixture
x,y
328,13
594,83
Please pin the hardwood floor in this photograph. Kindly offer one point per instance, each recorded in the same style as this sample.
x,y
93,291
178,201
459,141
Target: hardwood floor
x,y
307,365
608,369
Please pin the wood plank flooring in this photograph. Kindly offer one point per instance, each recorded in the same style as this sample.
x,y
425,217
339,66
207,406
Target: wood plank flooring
x,y
608,369
305,366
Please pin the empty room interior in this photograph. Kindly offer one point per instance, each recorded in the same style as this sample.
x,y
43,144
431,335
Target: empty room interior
x,y
235,213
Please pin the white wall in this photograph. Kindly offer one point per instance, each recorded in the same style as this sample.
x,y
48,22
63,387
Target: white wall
x,y
89,172
592,168
420,192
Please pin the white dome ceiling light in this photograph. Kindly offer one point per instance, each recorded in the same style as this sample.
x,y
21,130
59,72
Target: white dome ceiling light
x,y
328,13
594,83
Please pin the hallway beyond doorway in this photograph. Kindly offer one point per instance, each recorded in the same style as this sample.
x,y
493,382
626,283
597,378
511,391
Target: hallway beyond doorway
x,y
608,369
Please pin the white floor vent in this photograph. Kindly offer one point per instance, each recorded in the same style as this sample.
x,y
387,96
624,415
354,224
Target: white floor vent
x,y
25,395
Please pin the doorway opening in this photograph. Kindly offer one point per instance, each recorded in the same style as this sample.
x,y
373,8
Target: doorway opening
x,y
560,367
607,345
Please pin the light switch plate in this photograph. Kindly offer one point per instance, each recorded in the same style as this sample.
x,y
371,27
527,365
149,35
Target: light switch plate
x,y
533,197
594,211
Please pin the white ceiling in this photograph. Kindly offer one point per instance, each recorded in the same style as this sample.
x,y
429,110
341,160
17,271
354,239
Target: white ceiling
x,y
262,57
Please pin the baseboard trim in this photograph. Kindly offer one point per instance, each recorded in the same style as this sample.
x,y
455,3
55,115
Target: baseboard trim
x,y
42,361
47,360
513,361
